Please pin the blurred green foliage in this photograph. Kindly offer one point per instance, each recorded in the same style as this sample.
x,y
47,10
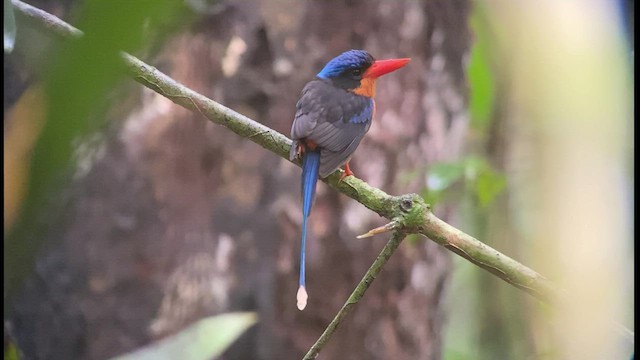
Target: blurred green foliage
x,y
11,352
479,74
78,81
66,108
476,176
206,339
81,77
472,175
474,185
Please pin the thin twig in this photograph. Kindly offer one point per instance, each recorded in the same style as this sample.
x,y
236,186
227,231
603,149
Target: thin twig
x,y
358,292
380,230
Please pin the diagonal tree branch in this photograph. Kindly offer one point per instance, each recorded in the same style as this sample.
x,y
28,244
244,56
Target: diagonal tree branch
x,y
409,210
356,295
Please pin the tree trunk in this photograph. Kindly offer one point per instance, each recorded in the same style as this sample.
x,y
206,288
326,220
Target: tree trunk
x,y
178,218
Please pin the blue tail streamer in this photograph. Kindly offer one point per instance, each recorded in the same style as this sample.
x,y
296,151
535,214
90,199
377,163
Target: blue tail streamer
x,y
310,168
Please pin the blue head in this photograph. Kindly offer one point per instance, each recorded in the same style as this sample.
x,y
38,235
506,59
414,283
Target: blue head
x,y
357,71
346,70
348,60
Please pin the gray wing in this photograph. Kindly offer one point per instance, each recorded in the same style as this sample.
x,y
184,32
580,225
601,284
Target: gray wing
x,y
335,119
331,160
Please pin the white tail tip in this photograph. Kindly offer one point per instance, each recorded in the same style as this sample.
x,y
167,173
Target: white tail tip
x,y
302,298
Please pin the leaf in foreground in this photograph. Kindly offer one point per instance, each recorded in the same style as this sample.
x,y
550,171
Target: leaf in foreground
x,y
206,339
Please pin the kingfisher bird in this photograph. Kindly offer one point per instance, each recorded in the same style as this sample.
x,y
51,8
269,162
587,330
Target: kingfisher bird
x,y
333,114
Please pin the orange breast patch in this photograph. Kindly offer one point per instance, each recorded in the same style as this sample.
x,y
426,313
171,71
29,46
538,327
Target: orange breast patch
x,y
367,88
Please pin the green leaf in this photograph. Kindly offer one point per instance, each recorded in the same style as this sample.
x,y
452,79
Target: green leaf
x,y
479,178
442,175
482,180
481,82
11,352
204,340
431,197
488,185
9,27
473,165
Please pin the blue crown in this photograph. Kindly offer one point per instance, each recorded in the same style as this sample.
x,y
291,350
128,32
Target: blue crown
x,y
351,59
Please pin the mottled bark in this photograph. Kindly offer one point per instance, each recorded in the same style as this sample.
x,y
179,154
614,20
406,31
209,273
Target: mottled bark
x,y
177,218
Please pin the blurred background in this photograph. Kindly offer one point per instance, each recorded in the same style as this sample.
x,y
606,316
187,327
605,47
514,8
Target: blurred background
x,y
128,218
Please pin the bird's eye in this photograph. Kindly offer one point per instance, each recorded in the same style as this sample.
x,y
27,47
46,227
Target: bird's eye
x,y
356,72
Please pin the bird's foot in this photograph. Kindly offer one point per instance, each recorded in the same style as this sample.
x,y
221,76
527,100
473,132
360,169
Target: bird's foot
x,y
299,150
347,172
